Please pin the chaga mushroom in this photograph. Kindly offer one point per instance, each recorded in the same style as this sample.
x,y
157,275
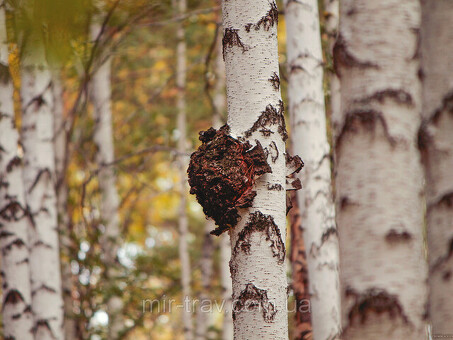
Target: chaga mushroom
x,y
222,173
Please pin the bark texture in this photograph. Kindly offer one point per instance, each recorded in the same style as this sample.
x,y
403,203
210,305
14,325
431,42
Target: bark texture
x,y
255,111
309,139
183,223
39,181
436,144
14,218
378,172
105,155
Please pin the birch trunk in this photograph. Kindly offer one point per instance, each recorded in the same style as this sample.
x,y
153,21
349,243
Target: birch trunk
x,y
379,175
331,9
183,224
103,138
40,195
59,140
299,269
436,144
14,219
309,139
255,111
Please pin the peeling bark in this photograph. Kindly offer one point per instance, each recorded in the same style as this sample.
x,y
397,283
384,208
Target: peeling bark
x,y
14,218
436,144
39,182
309,139
378,172
255,112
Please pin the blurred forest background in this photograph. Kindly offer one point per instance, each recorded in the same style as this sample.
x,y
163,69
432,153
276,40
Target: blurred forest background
x,y
141,38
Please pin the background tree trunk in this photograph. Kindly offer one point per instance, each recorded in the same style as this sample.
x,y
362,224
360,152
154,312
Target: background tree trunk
x,y
436,143
379,176
14,219
331,11
59,140
255,111
309,139
39,181
183,224
103,139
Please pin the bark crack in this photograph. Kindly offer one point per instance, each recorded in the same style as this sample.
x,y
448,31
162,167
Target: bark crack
x,y
270,116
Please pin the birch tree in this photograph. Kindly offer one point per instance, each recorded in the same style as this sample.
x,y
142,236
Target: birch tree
x,y
255,112
14,218
183,223
103,139
39,182
378,172
59,141
436,143
331,9
309,138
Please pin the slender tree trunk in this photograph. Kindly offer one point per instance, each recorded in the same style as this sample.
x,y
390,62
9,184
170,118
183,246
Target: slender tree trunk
x,y
59,140
309,139
436,143
299,268
255,111
331,9
14,219
39,181
103,138
183,224
379,175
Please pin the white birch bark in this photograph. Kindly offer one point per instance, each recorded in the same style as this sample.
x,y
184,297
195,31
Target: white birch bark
x,y
183,223
39,181
436,142
309,139
378,171
103,138
253,95
14,220
59,140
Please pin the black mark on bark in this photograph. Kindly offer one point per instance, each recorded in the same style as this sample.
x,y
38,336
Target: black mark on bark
x,y
275,81
252,298
270,116
10,212
276,187
398,95
398,236
273,151
374,301
258,222
13,297
343,57
15,161
366,119
230,39
222,173
270,19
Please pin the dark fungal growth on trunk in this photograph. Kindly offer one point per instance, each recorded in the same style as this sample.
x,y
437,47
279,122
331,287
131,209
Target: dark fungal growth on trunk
x,y
222,173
